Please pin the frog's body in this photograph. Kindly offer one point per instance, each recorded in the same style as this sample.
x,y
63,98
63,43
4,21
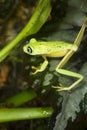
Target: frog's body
x,y
50,49
56,49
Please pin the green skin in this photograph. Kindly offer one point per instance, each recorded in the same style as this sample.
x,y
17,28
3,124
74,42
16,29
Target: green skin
x,y
56,49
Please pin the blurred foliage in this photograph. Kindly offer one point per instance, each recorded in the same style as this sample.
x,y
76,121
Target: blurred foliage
x,y
63,24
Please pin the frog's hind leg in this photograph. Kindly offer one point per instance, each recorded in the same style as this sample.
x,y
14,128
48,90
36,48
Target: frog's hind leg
x,y
68,73
66,59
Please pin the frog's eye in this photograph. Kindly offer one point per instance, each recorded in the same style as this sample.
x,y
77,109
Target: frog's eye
x,y
29,49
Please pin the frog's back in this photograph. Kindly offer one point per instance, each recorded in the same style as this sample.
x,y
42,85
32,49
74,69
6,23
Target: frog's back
x,y
57,49
49,48
58,45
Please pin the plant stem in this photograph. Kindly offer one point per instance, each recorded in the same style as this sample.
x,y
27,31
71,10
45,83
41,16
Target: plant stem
x,y
24,113
38,18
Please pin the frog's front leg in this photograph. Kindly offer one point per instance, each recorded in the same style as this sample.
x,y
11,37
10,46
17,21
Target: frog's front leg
x,y
42,67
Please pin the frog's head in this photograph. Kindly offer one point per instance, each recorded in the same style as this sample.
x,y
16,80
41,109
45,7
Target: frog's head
x,y
34,47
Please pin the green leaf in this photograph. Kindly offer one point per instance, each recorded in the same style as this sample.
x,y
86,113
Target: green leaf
x,y
38,18
71,103
20,98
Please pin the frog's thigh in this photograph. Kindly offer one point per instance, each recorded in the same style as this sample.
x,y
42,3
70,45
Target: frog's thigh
x,y
72,74
68,73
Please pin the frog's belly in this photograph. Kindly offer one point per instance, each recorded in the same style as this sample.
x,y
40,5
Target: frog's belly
x,y
57,54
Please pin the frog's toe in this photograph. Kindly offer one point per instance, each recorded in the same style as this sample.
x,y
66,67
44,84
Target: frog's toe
x,y
33,73
36,70
61,88
33,67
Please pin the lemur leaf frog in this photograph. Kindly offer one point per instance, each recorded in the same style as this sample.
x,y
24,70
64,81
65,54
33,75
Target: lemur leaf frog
x,y
56,49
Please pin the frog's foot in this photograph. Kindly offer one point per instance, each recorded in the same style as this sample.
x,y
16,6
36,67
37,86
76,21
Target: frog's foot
x,y
36,70
62,88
